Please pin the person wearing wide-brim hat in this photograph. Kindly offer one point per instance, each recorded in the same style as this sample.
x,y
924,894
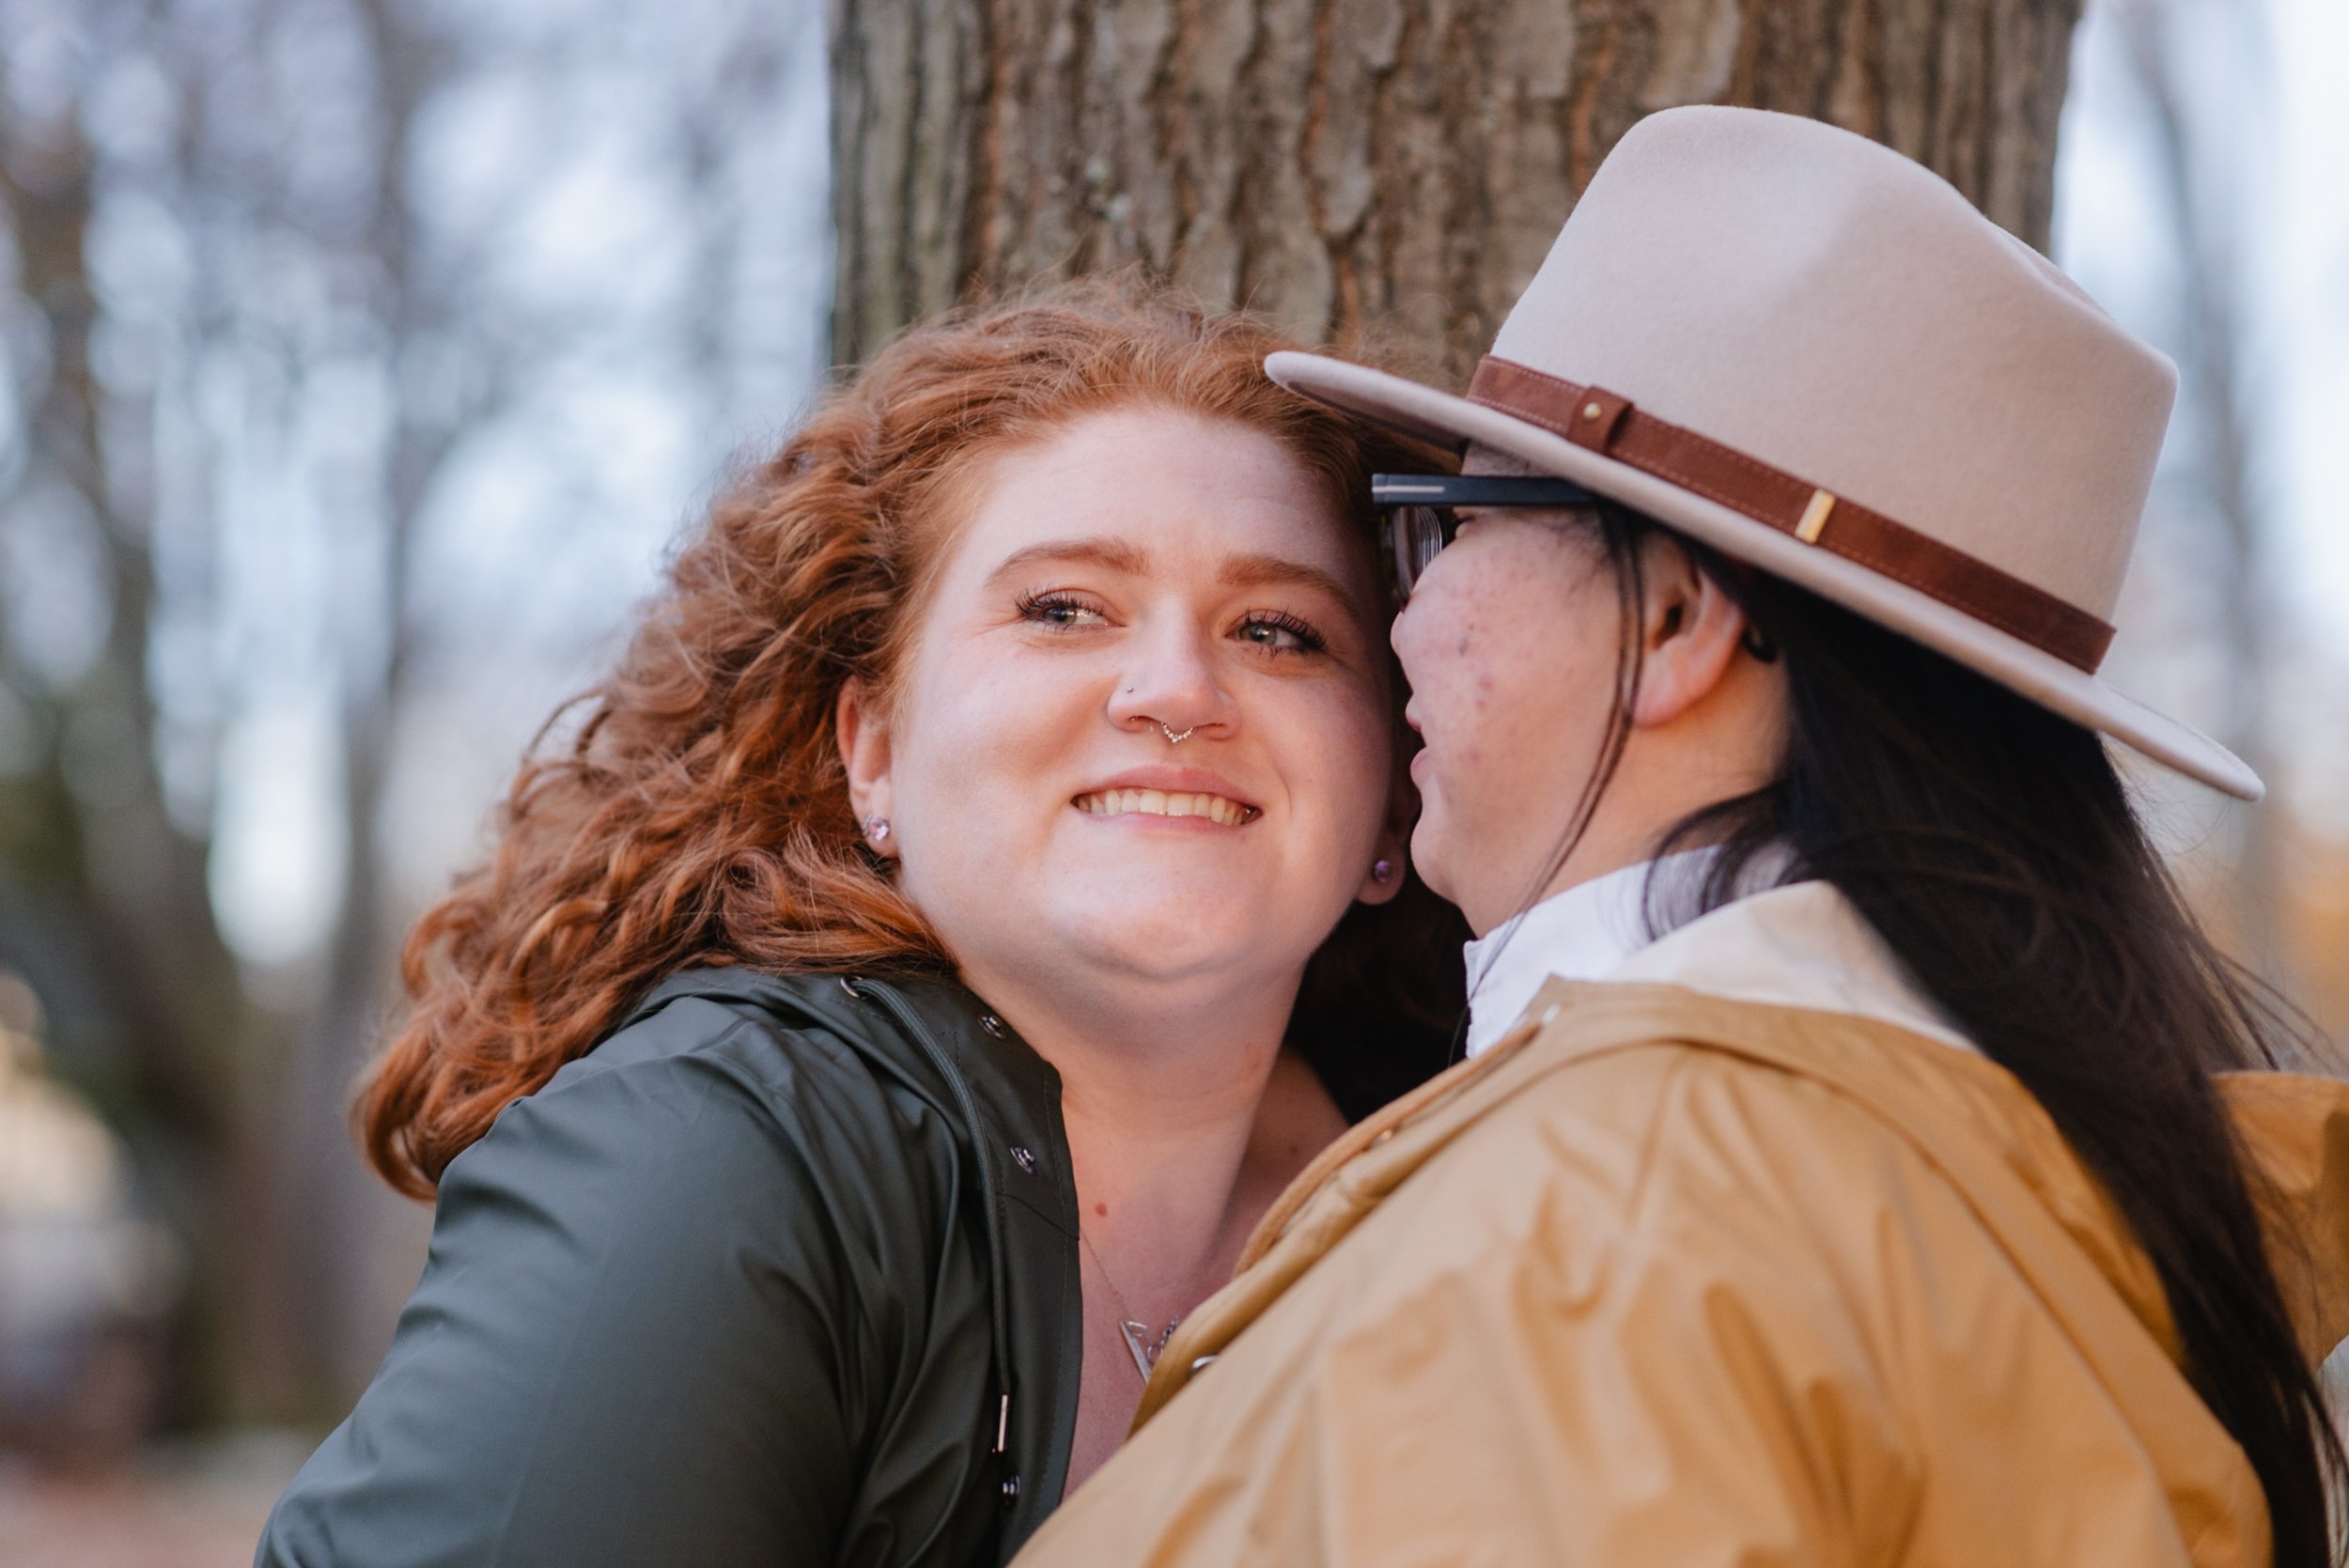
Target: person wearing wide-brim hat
x,y
1859,1159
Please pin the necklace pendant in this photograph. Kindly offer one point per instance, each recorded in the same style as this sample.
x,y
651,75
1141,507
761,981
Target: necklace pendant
x,y
1140,1344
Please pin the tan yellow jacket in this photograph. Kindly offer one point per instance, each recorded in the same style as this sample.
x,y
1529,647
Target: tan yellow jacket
x,y
1668,1278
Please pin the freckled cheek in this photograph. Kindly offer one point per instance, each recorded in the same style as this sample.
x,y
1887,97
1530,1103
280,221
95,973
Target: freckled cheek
x,y
986,736
1461,696
1505,678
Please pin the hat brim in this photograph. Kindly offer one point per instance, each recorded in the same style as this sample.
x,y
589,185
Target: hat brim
x,y
1447,420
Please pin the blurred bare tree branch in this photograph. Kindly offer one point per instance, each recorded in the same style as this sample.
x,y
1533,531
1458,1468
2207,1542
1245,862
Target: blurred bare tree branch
x,y
287,277
109,882
2206,215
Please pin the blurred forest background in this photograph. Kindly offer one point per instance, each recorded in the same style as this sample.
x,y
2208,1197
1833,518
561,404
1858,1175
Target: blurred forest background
x,y
362,358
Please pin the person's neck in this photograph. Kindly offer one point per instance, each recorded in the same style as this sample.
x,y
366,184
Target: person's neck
x,y
1658,784
1161,1087
1595,855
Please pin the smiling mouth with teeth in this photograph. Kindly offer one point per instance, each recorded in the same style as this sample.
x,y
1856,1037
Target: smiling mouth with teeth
x,y
1160,802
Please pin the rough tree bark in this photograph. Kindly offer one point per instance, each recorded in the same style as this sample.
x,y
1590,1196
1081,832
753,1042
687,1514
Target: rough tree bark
x,y
1392,165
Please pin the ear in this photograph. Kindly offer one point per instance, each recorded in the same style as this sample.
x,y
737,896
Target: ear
x,y
863,735
1693,633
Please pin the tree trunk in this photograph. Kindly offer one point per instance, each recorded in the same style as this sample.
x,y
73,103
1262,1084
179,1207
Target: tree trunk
x,y
1395,167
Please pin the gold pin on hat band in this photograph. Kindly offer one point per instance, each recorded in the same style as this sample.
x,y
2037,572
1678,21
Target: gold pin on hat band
x,y
1814,518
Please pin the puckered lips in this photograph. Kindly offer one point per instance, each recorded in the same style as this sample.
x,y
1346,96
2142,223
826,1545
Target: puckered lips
x,y
1176,794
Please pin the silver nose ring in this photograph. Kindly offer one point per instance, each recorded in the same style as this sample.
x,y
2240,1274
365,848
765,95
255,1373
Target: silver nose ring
x,y
1171,738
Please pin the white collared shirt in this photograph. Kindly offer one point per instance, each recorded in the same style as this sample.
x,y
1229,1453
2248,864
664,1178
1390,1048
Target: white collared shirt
x,y
1801,945
1584,933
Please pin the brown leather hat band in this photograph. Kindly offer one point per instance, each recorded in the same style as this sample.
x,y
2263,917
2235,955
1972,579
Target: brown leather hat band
x,y
1609,425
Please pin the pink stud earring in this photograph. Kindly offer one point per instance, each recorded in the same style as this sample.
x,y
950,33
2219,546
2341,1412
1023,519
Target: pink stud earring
x,y
1382,870
876,829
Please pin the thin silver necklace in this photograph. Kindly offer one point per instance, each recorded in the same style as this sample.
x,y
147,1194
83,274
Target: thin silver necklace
x,y
1139,1344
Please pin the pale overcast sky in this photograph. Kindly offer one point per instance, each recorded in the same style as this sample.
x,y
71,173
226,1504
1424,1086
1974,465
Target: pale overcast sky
x,y
2268,78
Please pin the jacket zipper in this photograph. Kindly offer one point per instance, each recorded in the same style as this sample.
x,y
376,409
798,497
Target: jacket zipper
x,y
908,1020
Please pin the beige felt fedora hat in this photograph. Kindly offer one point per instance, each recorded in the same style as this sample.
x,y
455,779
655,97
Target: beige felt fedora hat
x,y
1813,355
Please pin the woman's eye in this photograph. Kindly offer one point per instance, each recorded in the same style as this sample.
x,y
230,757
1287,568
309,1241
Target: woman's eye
x,y
1059,610
1281,634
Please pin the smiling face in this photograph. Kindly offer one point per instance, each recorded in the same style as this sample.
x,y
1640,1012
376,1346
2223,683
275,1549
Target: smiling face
x,y
1141,574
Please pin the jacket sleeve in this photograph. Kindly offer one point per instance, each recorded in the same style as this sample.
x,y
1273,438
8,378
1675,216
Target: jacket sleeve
x,y
643,1335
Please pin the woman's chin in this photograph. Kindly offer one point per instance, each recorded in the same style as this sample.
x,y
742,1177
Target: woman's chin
x,y
1176,939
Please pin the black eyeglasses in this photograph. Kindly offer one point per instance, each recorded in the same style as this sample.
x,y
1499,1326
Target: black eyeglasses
x,y
1419,516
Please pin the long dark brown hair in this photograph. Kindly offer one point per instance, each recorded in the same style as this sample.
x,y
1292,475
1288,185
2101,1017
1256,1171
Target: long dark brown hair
x,y
1993,844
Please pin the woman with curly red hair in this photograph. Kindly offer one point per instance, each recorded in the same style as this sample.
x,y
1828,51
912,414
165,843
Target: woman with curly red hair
x,y
977,892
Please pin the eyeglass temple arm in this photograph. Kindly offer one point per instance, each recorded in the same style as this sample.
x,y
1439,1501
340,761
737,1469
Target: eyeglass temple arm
x,y
1482,490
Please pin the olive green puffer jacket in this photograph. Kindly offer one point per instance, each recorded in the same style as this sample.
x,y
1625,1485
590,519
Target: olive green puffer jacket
x,y
782,1272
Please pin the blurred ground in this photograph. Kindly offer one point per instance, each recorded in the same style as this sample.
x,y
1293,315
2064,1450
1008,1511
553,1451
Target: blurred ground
x,y
188,1507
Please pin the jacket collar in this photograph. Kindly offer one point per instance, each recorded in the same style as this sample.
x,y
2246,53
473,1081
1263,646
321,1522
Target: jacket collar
x,y
1584,933
943,1045
1795,980
1802,945
1970,1117
1799,945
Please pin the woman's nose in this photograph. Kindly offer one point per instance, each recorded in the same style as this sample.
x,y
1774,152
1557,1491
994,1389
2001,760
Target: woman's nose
x,y
1171,681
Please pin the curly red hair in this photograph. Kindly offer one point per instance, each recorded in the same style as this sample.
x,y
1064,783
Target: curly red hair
x,y
700,815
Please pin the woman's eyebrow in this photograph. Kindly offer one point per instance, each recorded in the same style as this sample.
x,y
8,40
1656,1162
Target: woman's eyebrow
x,y
1258,571
1116,554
